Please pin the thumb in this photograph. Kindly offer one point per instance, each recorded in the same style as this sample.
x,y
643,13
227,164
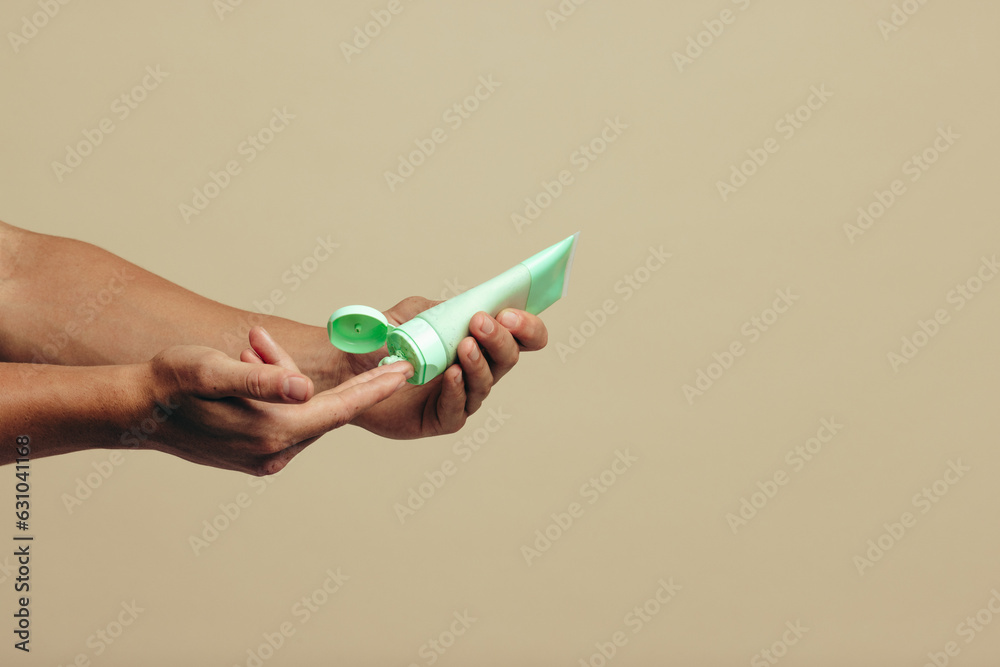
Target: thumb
x,y
263,382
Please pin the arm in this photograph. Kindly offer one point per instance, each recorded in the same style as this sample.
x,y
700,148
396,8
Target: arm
x,y
71,303
95,405
190,401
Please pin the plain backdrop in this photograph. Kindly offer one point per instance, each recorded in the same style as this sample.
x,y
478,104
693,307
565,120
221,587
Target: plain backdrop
x,y
782,315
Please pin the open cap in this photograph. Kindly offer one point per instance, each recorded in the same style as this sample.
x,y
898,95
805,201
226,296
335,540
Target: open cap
x,y
358,329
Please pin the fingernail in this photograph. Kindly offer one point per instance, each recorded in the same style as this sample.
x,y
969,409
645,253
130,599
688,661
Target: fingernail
x,y
401,366
295,388
509,319
487,325
474,354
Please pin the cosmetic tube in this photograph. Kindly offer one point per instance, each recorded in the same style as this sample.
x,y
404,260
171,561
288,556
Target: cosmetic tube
x,y
430,340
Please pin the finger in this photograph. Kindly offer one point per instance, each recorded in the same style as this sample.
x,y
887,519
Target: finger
x,y
269,351
264,382
338,406
279,460
528,330
250,357
452,401
478,376
403,367
408,308
497,344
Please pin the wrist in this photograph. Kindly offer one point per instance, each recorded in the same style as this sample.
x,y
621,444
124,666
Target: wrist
x,y
314,355
144,410
72,408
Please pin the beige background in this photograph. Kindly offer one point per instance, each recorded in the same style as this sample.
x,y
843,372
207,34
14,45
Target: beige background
x,y
666,516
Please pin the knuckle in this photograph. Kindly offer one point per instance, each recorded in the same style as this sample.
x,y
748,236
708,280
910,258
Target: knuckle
x,y
423,302
262,469
202,376
417,304
269,466
506,357
458,424
342,416
542,338
515,354
253,385
409,303
481,393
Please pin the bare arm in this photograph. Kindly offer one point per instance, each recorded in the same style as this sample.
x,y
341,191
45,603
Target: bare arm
x,y
63,409
68,302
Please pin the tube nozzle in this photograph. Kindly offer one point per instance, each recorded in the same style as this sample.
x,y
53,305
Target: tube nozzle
x,y
391,359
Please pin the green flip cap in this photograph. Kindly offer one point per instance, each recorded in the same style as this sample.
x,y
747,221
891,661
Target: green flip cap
x,y
358,329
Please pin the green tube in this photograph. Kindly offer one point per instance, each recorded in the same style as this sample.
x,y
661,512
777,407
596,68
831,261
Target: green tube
x,y
430,340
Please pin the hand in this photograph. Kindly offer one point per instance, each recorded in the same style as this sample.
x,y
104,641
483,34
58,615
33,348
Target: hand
x,y
252,415
443,404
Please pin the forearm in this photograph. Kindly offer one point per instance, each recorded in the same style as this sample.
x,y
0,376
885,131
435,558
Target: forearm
x,y
69,302
65,409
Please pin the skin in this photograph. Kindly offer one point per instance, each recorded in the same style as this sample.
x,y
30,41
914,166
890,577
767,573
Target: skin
x,y
97,351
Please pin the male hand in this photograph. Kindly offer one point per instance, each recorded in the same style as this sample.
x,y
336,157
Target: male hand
x,y
443,404
255,414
